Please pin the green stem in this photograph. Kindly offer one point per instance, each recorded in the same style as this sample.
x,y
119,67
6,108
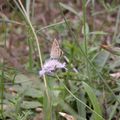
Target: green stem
x,y
2,93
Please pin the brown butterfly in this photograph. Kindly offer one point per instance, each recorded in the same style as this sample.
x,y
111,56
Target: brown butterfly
x,y
55,52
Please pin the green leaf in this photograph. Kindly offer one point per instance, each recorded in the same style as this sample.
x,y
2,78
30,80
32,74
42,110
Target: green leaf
x,y
94,101
81,108
85,29
30,104
23,79
114,109
98,33
34,93
101,59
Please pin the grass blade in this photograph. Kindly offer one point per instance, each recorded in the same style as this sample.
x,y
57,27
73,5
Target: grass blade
x,y
93,100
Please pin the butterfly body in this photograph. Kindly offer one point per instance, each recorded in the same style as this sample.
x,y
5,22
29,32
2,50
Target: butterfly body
x,y
55,52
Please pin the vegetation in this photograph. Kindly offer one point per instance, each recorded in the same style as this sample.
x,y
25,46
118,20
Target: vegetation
x,y
88,35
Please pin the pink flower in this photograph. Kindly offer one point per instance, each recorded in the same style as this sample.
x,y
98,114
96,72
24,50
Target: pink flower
x,y
50,66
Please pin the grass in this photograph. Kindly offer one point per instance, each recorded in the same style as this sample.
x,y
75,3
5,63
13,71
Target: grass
x,y
85,91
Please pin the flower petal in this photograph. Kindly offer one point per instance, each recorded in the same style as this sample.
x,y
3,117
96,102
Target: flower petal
x,y
50,66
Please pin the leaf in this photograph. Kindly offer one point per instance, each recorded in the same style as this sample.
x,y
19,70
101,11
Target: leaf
x,y
85,29
30,104
69,8
94,101
115,75
111,49
101,59
118,39
23,79
98,33
67,116
81,108
34,93
114,109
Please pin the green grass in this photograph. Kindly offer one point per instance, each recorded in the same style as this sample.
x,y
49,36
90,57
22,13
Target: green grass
x,y
85,90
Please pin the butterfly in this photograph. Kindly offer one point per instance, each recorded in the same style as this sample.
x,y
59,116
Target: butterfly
x,y
55,52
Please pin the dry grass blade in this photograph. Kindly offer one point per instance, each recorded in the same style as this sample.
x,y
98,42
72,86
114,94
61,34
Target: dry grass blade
x,y
67,116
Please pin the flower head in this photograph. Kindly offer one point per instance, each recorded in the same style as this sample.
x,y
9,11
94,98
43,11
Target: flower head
x,y
50,66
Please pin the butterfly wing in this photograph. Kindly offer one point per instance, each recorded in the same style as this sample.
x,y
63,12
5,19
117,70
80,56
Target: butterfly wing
x,y
55,50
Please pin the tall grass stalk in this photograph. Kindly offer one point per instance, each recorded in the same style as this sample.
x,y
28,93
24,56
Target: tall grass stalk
x,y
116,26
2,92
85,36
30,43
84,24
23,11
